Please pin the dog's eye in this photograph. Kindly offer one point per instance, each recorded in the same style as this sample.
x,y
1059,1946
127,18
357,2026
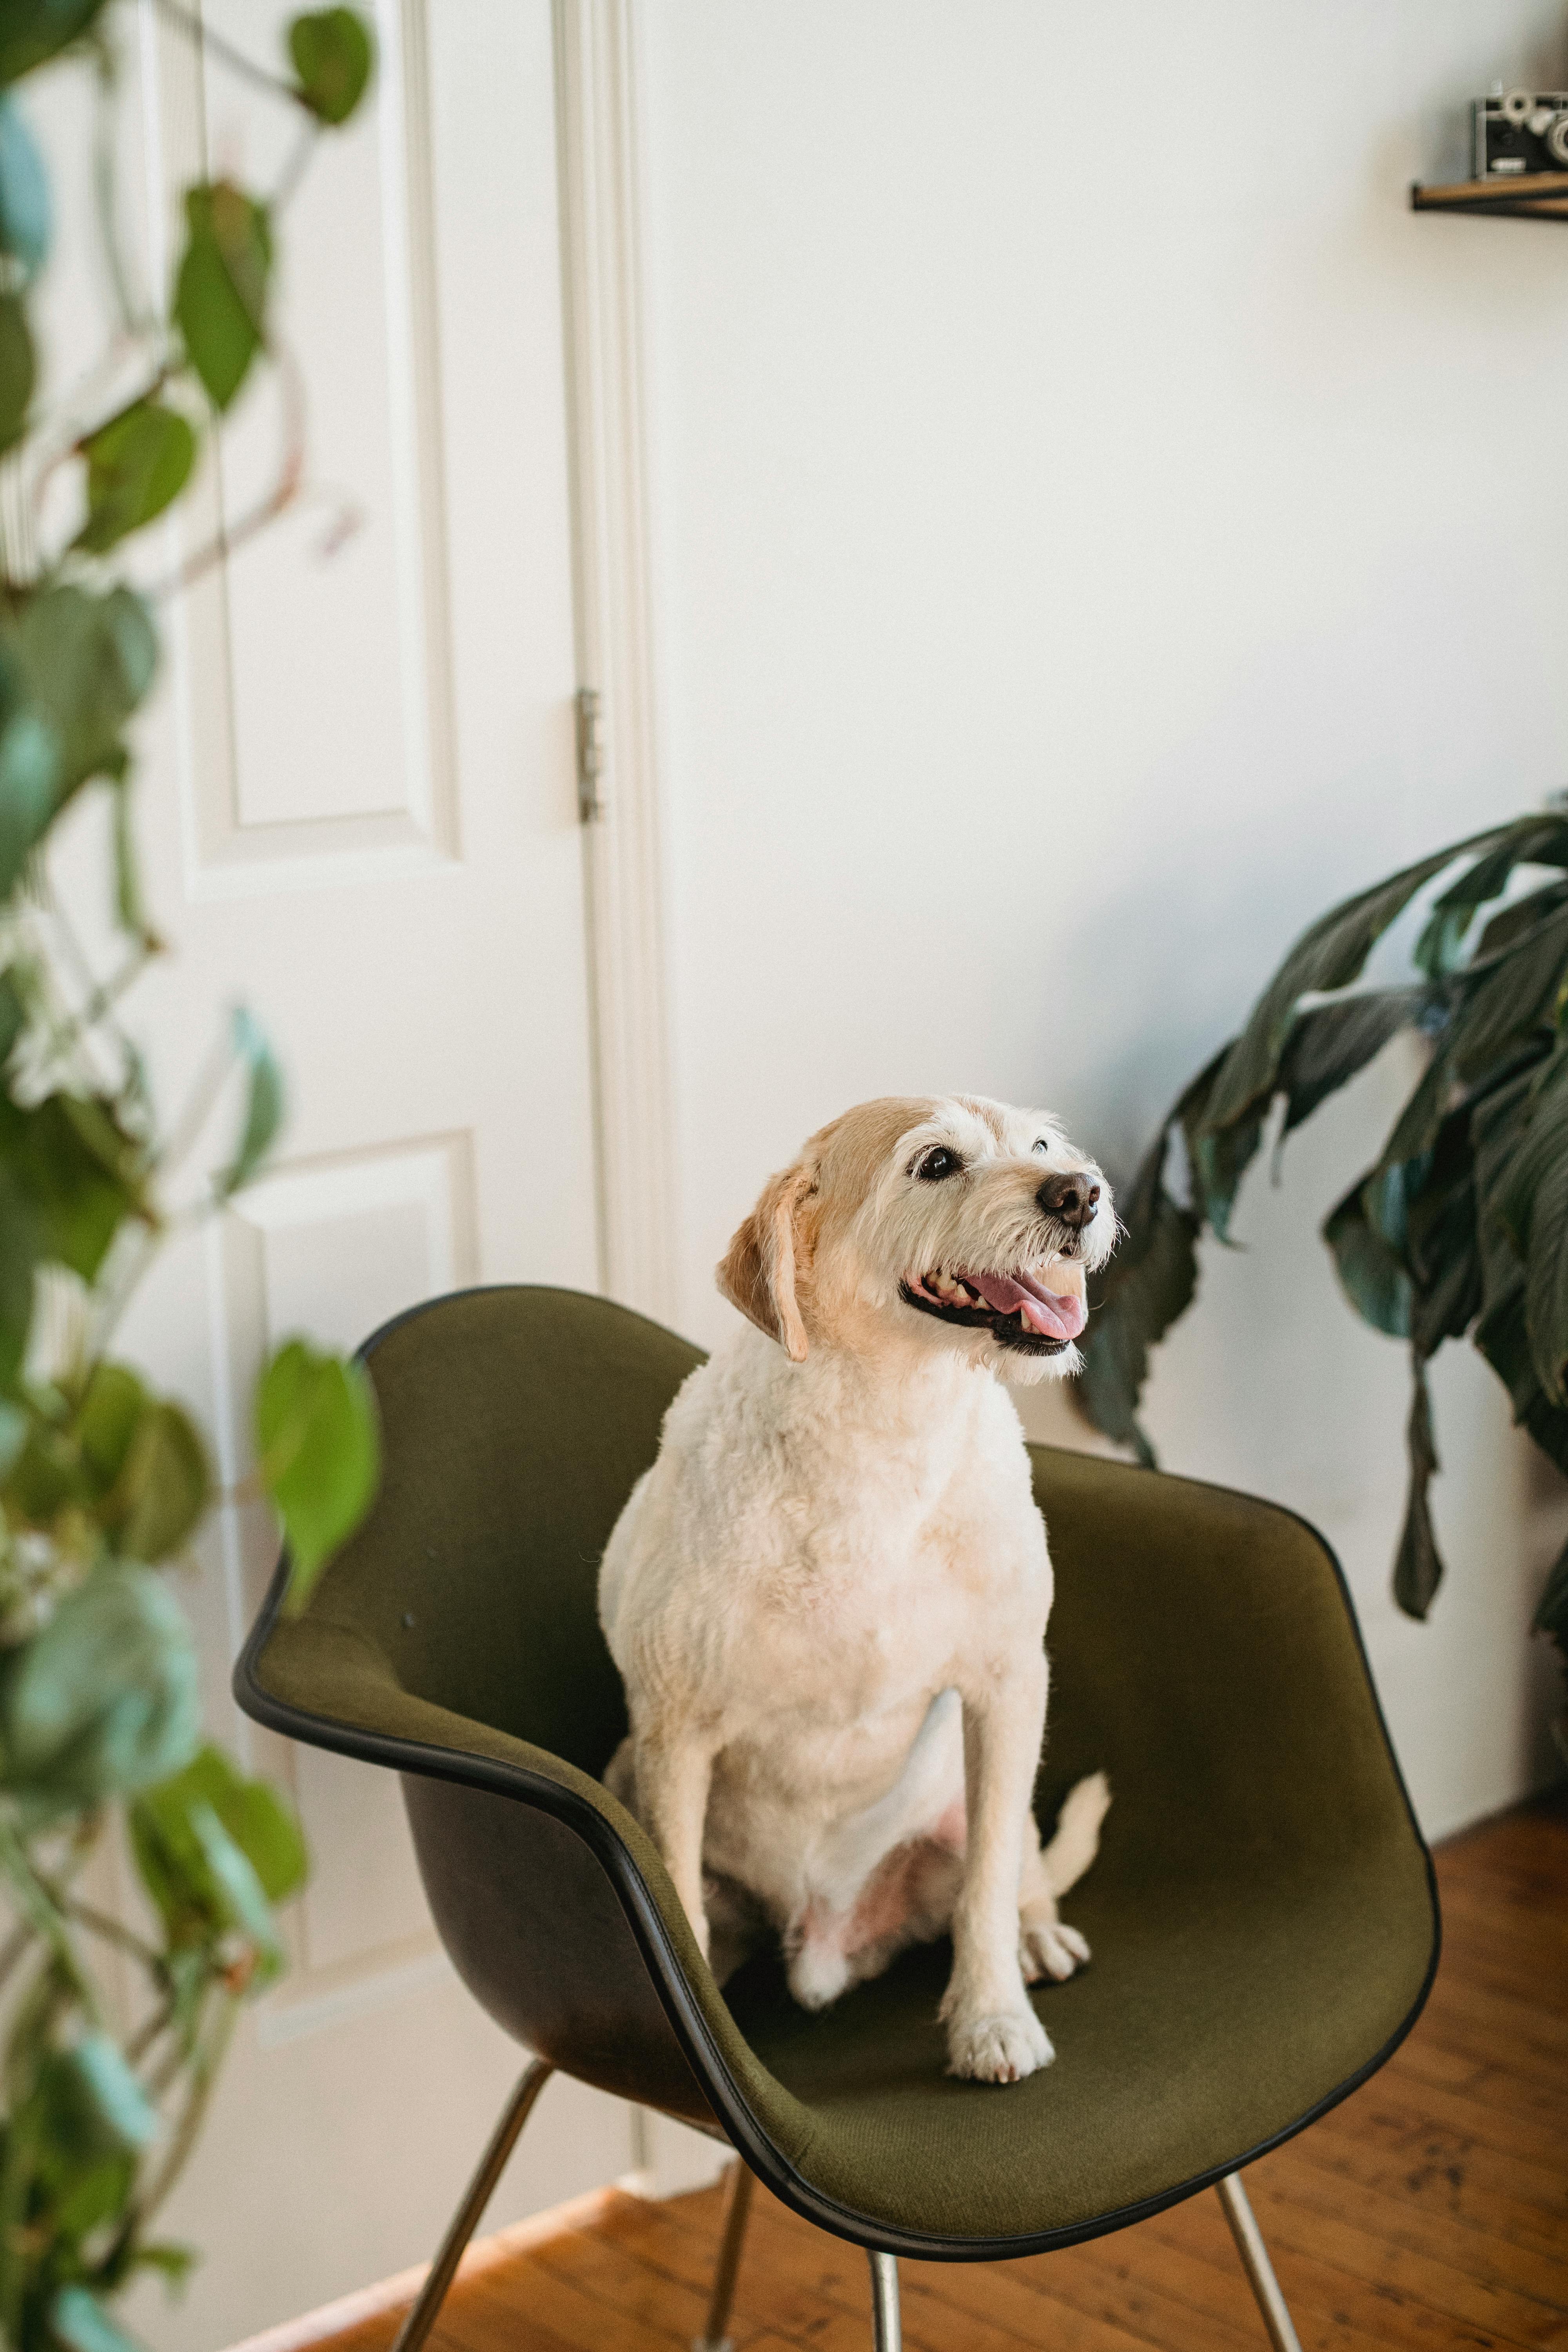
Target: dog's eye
x,y
937,1163
1040,1143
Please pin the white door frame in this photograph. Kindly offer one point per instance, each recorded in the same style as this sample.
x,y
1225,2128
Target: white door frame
x,y
603,289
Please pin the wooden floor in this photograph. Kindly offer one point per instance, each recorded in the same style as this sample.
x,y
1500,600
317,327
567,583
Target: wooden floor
x,y
1430,2210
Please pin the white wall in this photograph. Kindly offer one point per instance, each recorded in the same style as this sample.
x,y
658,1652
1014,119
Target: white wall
x,y
1099,525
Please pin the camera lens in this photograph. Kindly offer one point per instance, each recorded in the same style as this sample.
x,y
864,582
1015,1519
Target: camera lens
x,y
1557,140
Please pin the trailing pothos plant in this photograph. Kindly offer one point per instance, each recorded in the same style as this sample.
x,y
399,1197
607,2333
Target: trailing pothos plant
x,y
1460,1229
112,2027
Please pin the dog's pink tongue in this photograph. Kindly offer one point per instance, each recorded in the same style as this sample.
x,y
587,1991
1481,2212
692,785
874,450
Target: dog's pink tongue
x,y
1055,1315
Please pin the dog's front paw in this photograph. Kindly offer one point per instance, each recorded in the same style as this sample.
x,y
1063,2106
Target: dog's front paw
x,y
1049,1948
1001,2048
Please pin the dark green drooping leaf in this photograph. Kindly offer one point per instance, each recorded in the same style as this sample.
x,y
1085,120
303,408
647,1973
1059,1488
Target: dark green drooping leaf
x,y
1327,1044
220,293
332,58
319,1444
29,782
1535,840
1506,930
1328,955
1442,1248
1417,1568
18,369
1551,1616
1502,1337
1370,1266
1538,1138
1526,1168
137,464
104,1700
1513,994
1538,839
1440,949
1135,1300
162,1489
1546,1281
1500,1125
81,664
71,1158
1218,1158
263,1104
33,31
25,208
216,1851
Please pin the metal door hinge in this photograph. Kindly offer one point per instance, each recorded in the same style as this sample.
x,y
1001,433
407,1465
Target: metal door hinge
x,y
590,754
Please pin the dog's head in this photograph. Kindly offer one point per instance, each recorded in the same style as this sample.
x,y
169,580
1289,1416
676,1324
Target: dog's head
x,y
956,1225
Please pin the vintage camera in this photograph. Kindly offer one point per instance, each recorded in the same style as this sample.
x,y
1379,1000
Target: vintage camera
x,y
1520,130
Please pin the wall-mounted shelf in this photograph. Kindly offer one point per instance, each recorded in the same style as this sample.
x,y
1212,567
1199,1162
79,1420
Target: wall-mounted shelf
x,y
1527,196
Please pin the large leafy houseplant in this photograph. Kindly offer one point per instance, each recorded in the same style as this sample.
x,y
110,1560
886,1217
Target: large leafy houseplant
x,y
1460,1226
104,1481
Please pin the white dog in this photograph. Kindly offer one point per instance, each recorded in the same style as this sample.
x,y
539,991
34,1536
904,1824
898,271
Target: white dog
x,y
827,1599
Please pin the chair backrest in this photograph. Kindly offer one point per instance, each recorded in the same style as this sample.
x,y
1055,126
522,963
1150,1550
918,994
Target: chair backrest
x,y
515,1424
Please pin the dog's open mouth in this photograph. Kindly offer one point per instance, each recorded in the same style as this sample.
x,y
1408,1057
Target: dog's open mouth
x,y
1019,1309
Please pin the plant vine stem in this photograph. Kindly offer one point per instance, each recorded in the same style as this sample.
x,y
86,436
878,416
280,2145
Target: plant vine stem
x,y
282,496
112,1932
81,1024
211,1080
203,2074
39,1907
149,2033
244,67
16,1943
295,167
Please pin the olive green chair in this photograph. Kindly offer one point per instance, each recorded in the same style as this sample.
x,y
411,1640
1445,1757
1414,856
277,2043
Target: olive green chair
x,y
1262,1912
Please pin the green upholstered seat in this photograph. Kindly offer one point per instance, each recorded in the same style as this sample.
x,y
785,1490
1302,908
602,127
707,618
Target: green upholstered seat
x,y
1262,1912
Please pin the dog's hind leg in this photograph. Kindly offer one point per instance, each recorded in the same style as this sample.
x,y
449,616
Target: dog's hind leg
x,y
1076,1841
1047,1947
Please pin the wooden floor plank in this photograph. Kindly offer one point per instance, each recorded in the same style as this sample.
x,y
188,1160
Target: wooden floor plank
x,y
1539,2141
1408,2133
1422,2297
1426,2213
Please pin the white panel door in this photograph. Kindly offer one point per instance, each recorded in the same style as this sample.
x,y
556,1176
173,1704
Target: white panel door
x,y
359,807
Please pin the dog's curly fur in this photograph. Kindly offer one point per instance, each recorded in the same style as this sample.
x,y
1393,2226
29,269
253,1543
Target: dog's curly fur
x,y
827,1599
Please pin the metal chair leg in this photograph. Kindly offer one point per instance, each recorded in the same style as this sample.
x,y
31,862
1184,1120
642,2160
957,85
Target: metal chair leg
x,y
466,2220
1259,2270
886,2326
737,2211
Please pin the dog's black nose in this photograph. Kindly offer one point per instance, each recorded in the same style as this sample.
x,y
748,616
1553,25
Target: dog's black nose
x,y
1070,1200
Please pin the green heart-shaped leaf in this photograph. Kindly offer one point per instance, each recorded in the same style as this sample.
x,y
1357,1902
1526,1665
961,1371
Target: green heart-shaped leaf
x,y
331,55
137,464
319,1448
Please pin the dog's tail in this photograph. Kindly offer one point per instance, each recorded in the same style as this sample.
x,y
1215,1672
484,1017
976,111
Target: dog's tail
x,y
1076,1841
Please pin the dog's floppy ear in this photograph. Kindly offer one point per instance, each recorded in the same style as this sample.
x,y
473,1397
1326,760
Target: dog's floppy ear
x,y
757,1271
